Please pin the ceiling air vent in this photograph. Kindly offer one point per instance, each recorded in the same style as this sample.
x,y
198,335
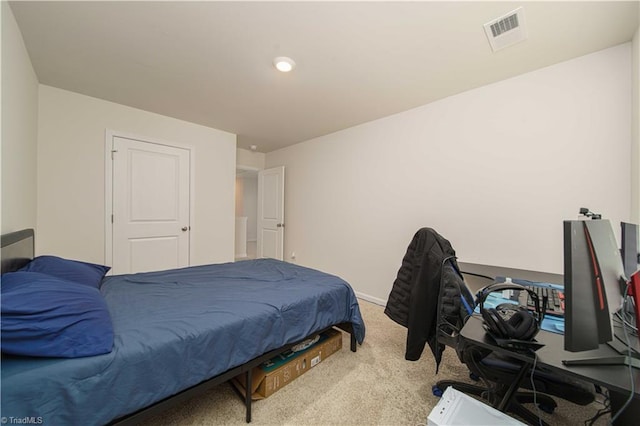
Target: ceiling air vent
x,y
506,30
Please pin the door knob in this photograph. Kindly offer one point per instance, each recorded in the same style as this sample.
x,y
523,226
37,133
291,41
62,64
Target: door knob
x,y
185,228
280,225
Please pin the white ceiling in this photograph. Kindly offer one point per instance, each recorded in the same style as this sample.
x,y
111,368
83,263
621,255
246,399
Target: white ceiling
x,y
211,62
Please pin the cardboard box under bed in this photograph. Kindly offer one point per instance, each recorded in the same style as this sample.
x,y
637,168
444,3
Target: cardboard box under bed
x,y
274,374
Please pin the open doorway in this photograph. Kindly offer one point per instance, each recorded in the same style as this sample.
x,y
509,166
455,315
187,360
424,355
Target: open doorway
x,y
246,212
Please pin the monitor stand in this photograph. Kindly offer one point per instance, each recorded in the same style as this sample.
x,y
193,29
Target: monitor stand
x,y
629,355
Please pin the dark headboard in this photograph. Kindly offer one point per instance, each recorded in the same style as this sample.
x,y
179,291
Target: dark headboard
x,y
17,249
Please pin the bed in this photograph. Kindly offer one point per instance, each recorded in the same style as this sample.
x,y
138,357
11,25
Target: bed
x,y
176,334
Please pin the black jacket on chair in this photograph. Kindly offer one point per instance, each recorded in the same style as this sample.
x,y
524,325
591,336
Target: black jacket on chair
x,y
413,301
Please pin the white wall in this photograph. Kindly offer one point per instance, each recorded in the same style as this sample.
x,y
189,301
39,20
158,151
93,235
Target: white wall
x,y
250,205
251,159
71,175
247,202
19,129
495,170
635,129
247,189
239,209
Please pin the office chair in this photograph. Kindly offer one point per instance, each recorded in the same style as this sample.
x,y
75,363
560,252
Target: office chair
x,y
456,304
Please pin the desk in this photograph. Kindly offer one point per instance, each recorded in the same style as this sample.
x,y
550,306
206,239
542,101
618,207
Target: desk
x,y
613,377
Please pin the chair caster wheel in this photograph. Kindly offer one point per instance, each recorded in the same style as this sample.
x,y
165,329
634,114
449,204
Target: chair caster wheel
x,y
474,377
546,408
436,391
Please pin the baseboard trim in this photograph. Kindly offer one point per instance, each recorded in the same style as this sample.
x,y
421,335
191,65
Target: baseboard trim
x,y
371,299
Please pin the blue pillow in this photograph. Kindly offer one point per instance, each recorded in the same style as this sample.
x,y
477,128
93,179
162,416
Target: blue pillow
x,y
45,316
66,269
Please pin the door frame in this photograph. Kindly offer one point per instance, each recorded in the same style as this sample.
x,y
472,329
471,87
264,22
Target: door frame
x,y
108,187
247,169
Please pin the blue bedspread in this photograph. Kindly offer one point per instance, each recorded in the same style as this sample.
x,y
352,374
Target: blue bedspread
x,y
174,329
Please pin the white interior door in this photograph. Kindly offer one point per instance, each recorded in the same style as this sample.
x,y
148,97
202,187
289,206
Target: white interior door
x,y
271,213
151,200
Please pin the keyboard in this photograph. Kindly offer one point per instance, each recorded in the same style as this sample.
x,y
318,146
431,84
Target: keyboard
x,y
555,299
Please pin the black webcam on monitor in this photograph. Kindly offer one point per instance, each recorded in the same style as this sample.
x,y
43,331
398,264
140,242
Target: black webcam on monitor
x,y
588,213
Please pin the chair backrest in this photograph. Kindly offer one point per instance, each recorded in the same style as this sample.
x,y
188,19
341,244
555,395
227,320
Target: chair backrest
x,y
455,304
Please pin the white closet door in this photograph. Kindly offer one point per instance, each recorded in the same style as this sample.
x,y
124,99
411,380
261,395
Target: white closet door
x,y
271,213
150,206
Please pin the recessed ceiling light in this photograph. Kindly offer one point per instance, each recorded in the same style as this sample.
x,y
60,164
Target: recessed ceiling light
x,y
284,64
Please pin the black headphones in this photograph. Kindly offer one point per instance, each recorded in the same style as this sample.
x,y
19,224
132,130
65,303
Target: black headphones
x,y
509,320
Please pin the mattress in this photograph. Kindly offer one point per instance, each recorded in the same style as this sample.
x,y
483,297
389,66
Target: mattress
x,y
175,329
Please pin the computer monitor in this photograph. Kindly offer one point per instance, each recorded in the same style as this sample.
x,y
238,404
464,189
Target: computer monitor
x,y
594,285
586,320
629,248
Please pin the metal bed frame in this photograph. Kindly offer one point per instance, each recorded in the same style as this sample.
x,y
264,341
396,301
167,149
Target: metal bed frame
x,y
17,249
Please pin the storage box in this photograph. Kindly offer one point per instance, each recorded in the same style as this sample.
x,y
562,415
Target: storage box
x,y
285,368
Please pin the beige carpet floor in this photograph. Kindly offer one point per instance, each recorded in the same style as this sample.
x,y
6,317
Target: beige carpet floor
x,y
374,386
